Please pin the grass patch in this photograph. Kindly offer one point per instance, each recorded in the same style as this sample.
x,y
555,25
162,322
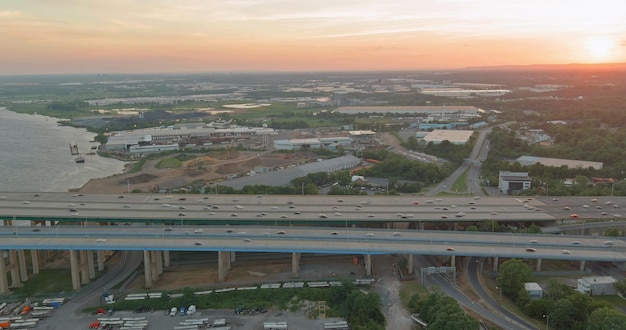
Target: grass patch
x,y
408,289
616,301
137,166
168,163
460,185
47,281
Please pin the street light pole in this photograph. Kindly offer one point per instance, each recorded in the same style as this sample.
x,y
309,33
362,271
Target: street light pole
x,y
547,321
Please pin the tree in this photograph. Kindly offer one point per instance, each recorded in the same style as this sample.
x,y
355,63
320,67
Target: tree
x,y
513,274
605,319
612,231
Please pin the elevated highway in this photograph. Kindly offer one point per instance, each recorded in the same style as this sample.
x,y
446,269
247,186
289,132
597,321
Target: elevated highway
x,y
314,240
229,224
303,210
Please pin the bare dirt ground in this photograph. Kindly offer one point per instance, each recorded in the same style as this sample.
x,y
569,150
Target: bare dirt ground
x,y
206,168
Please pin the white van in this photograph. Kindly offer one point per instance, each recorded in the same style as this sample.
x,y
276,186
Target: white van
x,y
191,309
173,311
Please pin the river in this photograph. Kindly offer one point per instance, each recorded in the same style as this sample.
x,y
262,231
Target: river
x,y
35,155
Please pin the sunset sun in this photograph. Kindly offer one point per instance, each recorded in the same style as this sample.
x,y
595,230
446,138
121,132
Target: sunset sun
x,y
600,49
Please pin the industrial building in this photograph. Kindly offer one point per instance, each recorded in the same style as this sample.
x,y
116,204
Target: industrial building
x,y
453,136
597,285
512,182
465,111
162,139
557,162
313,143
534,290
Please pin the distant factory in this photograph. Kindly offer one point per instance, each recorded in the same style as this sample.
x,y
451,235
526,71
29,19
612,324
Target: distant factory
x,y
169,138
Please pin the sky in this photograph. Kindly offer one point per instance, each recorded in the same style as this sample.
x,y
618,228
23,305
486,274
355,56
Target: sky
x,y
144,36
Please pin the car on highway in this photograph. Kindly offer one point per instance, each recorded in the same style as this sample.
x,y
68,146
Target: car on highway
x,y
573,215
449,248
529,249
566,252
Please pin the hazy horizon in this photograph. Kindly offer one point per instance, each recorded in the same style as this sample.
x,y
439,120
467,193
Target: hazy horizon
x,y
160,36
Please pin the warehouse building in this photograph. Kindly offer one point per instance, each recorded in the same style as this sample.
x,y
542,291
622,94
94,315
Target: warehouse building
x,y
312,143
513,182
597,285
557,162
453,136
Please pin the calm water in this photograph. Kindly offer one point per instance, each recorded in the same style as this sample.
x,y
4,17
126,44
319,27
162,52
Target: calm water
x,y
35,155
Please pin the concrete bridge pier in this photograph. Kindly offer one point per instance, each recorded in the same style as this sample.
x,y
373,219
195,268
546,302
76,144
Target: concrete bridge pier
x,y
21,260
147,269
409,264
4,281
495,264
91,270
223,264
368,265
154,265
166,258
159,262
83,268
452,261
14,269
295,264
74,269
34,258
582,265
538,265
100,260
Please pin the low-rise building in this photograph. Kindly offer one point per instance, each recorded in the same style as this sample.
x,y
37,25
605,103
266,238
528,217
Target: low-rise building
x,y
512,182
597,285
535,291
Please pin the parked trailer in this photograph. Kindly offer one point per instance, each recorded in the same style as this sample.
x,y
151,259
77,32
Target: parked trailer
x,y
185,327
275,325
23,325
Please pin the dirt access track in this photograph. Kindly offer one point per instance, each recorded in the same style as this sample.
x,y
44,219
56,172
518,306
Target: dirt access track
x,y
210,167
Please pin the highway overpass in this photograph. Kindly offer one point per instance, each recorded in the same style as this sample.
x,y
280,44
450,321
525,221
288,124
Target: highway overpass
x,y
304,210
294,224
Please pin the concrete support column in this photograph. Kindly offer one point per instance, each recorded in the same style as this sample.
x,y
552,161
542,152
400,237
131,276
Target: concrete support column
x,y
14,269
409,264
159,262
227,260
34,258
166,258
147,269
233,256
539,264
452,261
153,266
368,265
21,260
221,266
4,281
84,271
495,264
582,265
100,260
91,269
421,226
295,264
74,270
